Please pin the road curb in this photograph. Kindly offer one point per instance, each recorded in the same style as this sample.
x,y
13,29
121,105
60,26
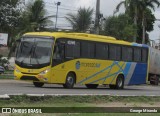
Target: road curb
x,y
7,97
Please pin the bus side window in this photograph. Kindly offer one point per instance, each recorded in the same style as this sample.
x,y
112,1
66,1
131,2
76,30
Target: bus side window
x,y
72,49
101,51
137,55
87,49
59,51
127,54
112,52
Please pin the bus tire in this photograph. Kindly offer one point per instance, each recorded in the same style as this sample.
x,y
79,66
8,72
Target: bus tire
x,y
70,80
119,82
38,84
91,86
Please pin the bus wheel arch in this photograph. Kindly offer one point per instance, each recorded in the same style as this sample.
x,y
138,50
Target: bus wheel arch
x,y
119,82
70,80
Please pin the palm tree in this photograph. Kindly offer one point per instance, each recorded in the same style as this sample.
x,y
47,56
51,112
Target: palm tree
x,y
82,20
34,17
145,4
132,7
138,9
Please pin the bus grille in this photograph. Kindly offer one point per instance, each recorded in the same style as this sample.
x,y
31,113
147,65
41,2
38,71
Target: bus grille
x,y
29,78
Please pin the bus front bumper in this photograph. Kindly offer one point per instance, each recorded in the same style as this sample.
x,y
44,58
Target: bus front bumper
x,y
31,77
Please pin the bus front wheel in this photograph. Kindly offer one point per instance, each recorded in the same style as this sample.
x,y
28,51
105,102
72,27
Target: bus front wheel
x,y
91,86
70,80
38,84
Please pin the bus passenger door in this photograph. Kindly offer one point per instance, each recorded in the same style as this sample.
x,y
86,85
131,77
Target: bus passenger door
x,y
58,71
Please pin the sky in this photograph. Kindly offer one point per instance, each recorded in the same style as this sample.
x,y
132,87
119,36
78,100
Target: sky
x,y
107,8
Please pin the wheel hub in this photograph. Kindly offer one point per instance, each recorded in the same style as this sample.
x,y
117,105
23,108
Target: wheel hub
x,y
70,80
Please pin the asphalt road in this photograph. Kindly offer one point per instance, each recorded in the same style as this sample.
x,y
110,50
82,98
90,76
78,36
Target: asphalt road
x,y
14,87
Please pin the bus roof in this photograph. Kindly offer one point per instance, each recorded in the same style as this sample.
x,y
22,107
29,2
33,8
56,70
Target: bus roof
x,y
83,36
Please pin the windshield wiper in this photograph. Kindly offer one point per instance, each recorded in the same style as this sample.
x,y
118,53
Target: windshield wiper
x,y
27,54
34,53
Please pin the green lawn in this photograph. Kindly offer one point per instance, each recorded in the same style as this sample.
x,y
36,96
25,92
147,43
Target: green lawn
x,y
7,75
73,101
81,104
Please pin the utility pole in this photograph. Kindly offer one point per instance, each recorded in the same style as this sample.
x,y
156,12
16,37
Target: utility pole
x,y
58,4
97,17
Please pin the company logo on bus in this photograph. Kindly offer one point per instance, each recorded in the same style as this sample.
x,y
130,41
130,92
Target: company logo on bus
x,y
87,64
30,71
78,65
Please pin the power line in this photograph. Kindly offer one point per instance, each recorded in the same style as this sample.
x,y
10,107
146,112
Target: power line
x,y
62,13
64,8
69,6
61,7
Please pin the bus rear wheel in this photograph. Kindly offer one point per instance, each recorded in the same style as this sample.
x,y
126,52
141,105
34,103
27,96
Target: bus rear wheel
x,y
119,83
91,86
38,84
70,80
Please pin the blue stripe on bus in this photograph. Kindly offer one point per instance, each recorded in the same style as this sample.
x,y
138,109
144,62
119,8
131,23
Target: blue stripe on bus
x,y
126,69
136,77
108,74
96,73
121,70
105,77
139,75
140,45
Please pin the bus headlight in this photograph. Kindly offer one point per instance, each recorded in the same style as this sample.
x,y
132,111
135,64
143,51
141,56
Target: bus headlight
x,y
44,72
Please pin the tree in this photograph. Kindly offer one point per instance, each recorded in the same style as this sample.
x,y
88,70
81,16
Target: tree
x,y
10,11
149,24
9,14
131,7
120,27
145,4
82,20
34,17
138,9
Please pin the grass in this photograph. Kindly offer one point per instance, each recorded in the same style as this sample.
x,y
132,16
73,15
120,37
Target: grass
x,y
73,101
76,102
8,72
7,75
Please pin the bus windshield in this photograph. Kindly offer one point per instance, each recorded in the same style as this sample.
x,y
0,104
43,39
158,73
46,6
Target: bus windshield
x,y
34,51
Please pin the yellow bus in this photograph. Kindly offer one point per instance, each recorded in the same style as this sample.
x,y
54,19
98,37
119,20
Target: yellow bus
x,y
80,58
